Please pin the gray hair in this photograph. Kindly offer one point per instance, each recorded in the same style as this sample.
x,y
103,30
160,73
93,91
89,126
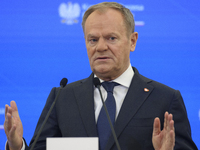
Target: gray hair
x,y
126,13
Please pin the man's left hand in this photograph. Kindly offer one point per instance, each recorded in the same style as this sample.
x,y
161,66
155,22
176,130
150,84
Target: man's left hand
x,y
165,139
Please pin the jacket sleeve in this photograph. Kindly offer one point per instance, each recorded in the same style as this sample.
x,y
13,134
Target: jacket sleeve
x,y
183,139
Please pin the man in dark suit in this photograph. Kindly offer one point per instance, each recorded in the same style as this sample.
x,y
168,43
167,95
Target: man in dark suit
x,y
142,105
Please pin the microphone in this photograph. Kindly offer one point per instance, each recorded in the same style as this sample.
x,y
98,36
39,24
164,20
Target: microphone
x,y
63,82
97,84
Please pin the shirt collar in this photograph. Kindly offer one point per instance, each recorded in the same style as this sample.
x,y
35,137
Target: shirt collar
x,y
125,79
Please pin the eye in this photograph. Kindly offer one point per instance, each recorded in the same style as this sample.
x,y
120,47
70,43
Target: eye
x,y
92,41
112,38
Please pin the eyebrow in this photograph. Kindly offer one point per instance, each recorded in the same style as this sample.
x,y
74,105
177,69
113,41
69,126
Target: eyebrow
x,y
108,34
91,35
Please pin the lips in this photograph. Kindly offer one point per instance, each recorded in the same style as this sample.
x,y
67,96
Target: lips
x,y
102,57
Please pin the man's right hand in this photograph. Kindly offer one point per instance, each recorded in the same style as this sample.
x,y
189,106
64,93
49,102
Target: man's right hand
x,y
13,127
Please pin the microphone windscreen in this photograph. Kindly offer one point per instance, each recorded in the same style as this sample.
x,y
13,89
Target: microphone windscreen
x,y
63,82
96,82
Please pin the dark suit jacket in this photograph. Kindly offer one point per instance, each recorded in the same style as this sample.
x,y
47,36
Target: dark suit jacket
x,y
73,115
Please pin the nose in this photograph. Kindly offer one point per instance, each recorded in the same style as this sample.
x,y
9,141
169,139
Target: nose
x,y
101,45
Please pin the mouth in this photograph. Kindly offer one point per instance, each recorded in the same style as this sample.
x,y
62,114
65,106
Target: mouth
x,y
102,58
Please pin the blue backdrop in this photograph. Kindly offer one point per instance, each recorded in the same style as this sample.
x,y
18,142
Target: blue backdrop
x,y
42,41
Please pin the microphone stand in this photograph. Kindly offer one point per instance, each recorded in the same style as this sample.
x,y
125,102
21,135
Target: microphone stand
x,y
49,112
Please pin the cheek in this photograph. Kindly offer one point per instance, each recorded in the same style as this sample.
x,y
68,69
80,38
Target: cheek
x,y
123,55
120,52
90,53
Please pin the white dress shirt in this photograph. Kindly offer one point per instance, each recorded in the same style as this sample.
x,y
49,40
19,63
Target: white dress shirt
x,y
119,92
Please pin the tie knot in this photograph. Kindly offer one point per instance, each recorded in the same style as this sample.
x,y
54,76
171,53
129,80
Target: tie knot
x,y
109,86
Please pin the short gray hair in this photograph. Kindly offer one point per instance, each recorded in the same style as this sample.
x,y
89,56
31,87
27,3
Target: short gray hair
x,y
126,13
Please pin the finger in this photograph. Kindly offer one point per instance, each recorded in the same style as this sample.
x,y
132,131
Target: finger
x,y
173,130
6,110
166,120
6,119
170,124
165,124
13,105
172,138
9,118
170,117
8,122
172,133
156,126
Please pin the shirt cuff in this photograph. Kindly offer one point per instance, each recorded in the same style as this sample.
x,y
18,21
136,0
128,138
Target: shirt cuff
x,y
23,145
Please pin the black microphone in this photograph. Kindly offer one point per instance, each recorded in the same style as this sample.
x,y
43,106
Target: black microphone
x,y
63,82
97,84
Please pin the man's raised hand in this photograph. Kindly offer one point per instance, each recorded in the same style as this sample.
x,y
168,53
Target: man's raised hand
x,y
165,139
13,126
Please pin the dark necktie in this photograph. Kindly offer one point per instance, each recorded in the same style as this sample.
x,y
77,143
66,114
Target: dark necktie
x,y
104,130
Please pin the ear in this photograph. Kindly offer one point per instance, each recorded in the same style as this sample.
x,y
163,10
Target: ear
x,y
133,38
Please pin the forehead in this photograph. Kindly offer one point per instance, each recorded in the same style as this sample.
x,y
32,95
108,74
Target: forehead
x,y
107,20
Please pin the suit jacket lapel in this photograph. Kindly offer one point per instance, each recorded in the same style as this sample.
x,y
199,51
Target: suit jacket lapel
x,y
84,96
136,96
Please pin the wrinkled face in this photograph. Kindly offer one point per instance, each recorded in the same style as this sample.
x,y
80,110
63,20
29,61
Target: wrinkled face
x,y
107,43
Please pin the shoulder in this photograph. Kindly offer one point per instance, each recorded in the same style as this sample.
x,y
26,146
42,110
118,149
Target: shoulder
x,y
150,81
79,85
158,88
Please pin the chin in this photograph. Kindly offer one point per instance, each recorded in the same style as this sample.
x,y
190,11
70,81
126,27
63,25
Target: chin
x,y
103,74
102,69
